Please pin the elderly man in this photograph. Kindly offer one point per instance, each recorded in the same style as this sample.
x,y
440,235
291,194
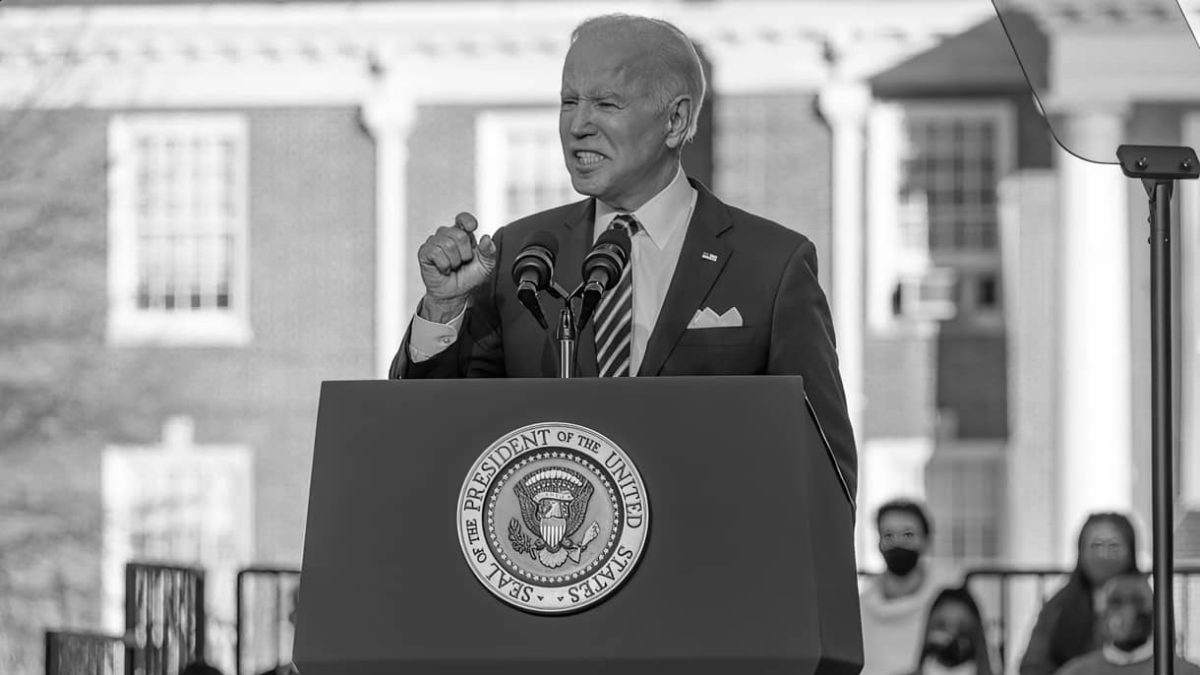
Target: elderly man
x,y
710,289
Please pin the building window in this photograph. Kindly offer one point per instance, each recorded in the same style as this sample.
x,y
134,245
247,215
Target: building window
x,y
936,208
932,295
949,179
967,497
183,504
177,229
987,292
520,168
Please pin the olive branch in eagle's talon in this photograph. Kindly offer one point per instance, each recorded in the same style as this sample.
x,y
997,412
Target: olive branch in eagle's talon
x,y
520,541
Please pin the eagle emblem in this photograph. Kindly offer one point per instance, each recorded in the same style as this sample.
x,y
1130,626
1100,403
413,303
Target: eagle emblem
x,y
552,517
554,503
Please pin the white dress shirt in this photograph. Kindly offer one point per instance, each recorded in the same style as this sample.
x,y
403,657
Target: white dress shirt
x,y
655,253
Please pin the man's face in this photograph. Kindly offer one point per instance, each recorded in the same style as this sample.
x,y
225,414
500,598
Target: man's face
x,y
614,140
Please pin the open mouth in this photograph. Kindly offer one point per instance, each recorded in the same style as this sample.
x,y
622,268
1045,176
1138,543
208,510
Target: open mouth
x,y
587,158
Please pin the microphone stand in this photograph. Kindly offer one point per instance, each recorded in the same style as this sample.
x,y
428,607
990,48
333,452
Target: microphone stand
x,y
568,335
568,328
1159,167
566,341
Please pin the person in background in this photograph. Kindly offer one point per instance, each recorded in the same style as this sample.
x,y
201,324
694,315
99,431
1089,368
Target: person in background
x,y
954,639
895,604
1127,613
1068,625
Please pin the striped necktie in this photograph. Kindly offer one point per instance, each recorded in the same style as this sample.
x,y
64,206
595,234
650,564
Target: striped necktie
x,y
614,316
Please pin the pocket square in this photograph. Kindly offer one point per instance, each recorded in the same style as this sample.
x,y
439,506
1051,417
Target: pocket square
x,y
707,318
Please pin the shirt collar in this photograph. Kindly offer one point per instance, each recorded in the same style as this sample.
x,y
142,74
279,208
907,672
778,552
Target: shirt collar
x,y
1120,658
661,217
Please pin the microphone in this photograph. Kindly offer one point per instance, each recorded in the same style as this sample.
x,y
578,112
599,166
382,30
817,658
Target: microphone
x,y
532,271
602,269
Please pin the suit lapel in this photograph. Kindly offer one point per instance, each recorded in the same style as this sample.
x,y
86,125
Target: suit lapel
x,y
695,274
573,246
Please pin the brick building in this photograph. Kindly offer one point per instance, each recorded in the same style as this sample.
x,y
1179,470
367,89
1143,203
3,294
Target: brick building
x,y
208,208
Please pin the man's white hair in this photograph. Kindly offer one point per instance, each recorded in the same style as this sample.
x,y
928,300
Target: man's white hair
x,y
675,69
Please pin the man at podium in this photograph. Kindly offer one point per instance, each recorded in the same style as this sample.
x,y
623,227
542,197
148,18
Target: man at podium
x,y
709,289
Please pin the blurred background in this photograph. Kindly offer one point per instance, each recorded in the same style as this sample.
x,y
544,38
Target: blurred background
x,y
208,208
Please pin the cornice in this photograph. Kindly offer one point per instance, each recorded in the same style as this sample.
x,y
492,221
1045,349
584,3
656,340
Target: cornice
x,y
439,49
322,32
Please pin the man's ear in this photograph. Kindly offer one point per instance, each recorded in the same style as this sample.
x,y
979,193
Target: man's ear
x,y
679,117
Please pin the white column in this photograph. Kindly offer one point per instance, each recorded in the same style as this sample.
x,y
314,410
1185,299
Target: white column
x,y
844,106
1187,420
389,117
1095,341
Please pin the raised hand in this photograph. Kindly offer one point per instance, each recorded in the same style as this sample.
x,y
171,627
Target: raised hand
x,y
452,264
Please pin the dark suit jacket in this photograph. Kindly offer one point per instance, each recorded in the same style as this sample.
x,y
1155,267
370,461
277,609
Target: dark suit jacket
x,y
764,269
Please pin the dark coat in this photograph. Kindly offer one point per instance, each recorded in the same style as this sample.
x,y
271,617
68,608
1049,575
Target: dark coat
x,y
767,271
1068,626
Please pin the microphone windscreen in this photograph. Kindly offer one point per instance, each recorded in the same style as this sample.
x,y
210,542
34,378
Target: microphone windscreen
x,y
618,238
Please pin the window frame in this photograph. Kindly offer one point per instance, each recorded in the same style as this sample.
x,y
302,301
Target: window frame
x,y
891,262
128,324
957,507
492,152
133,476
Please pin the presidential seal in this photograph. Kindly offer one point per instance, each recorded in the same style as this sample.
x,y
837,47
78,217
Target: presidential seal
x,y
553,517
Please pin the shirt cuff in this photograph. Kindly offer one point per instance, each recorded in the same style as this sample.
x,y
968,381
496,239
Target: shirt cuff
x,y
428,339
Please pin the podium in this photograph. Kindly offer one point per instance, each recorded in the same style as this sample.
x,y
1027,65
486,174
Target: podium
x,y
748,565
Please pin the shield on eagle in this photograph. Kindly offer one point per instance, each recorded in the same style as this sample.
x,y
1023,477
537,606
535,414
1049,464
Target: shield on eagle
x,y
554,503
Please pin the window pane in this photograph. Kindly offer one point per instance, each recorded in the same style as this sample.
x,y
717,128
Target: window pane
x,y
951,160
188,182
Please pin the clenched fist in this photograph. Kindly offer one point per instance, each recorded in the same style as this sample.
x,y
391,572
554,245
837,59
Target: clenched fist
x,y
452,264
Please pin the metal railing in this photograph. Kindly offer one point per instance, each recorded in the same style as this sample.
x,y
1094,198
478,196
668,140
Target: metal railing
x,y
266,618
74,653
1010,599
994,589
164,618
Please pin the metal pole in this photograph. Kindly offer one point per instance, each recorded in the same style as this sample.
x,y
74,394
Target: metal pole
x,y
1003,622
1160,406
566,342
237,626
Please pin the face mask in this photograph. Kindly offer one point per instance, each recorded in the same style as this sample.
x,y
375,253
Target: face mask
x,y
1100,571
952,654
1132,636
900,561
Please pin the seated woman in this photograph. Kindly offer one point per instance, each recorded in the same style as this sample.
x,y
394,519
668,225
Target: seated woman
x,y
1068,625
1127,608
954,641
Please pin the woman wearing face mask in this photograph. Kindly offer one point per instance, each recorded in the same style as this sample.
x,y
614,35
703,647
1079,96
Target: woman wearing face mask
x,y
954,642
894,605
1068,625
